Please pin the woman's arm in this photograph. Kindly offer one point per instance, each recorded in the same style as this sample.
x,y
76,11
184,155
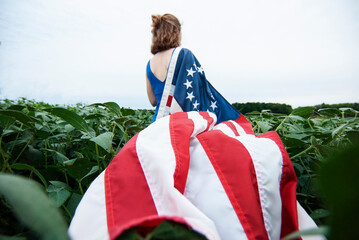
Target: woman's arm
x,y
150,93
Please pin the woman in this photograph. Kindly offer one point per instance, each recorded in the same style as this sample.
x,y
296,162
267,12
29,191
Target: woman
x,y
176,81
166,30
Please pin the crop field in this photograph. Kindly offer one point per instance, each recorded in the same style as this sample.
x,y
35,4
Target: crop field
x,y
63,149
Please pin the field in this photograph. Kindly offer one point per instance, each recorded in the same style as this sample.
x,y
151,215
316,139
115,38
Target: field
x,y
63,148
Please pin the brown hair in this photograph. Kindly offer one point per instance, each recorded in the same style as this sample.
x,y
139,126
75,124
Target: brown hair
x,y
166,32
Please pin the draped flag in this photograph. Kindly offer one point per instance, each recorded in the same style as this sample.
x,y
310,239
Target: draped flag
x,y
187,89
215,178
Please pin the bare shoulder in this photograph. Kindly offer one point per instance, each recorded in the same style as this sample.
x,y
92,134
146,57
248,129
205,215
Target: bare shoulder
x,y
159,63
162,56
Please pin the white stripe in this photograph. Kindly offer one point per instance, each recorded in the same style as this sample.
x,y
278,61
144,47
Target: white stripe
x,y
205,191
305,222
158,163
200,124
225,129
240,130
168,85
90,220
175,107
268,161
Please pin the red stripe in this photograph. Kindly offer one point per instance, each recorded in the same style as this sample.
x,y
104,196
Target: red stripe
x,y
181,129
208,118
124,175
237,175
169,101
288,185
232,127
245,124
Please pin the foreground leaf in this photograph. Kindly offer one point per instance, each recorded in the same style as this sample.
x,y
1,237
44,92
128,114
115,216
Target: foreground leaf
x,y
104,140
304,112
59,192
29,204
339,183
20,116
112,106
70,117
323,230
23,166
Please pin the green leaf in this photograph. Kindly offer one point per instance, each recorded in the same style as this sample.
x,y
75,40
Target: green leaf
x,y
319,213
95,116
304,112
60,184
264,126
70,117
112,106
104,140
73,203
20,116
6,121
322,230
23,166
339,184
32,207
130,234
174,230
80,168
330,111
93,170
348,111
2,237
296,118
127,111
58,192
339,130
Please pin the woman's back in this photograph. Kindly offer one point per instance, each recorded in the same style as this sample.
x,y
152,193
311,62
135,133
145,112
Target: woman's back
x,y
159,64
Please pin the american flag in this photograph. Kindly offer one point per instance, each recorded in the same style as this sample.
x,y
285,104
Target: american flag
x,y
187,89
216,178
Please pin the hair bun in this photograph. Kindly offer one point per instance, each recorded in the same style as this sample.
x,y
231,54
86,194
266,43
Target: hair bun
x,y
156,20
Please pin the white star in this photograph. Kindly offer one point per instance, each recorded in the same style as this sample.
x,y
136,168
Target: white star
x,y
190,96
190,72
200,70
213,105
195,66
195,105
188,84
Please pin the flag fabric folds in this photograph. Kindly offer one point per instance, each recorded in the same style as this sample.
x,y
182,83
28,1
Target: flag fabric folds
x,y
216,178
187,89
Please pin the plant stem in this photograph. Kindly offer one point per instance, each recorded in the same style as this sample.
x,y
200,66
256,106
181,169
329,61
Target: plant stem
x,y
17,136
27,144
98,158
80,186
67,180
306,169
67,211
304,151
310,125
281,123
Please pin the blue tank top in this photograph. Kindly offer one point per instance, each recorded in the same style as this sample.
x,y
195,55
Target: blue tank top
x,y
157,86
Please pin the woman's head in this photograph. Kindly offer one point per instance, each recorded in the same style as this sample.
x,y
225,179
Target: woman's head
x,y
166,32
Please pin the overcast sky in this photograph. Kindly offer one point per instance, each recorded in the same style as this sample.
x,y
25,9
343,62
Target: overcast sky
x,y
286,51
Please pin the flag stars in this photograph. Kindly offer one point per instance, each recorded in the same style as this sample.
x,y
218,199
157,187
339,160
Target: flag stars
x,y
190,72
190,96
188,84
213,105
200,70
195,105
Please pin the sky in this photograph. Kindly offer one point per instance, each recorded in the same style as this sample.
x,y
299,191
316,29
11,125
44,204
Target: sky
x,y
298,52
